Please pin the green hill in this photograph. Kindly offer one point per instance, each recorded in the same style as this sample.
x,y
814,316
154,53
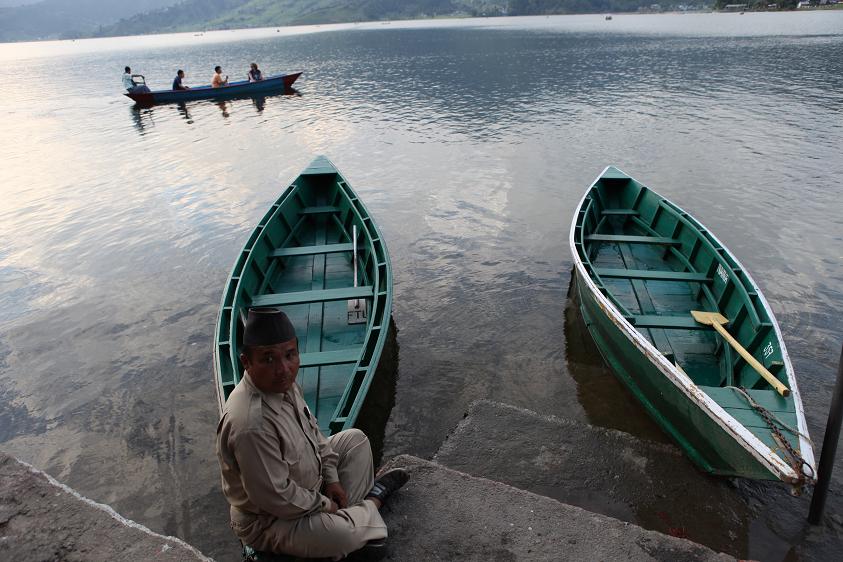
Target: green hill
x,y
72,18
50,19
230,14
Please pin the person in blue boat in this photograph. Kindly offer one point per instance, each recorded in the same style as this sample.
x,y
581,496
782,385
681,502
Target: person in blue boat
x,y
290,489
177,81
217,81
255,74
130,84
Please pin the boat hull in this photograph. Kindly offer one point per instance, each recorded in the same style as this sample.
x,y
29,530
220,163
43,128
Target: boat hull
x,y
235,89
703,440
642,265
303,257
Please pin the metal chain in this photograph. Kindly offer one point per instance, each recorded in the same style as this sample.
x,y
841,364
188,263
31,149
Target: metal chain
x,y
794,458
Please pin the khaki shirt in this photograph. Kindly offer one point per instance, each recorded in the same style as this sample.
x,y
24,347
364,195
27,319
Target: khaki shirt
x,y
272,455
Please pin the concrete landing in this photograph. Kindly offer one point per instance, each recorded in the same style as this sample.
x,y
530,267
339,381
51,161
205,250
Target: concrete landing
x,y
41,519
443,514
598,469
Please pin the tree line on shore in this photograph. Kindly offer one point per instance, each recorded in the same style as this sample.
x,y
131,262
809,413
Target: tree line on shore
x,y
47,19
758,4
232,14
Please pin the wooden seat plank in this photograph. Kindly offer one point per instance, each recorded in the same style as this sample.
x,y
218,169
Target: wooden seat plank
x,y
731,399
657,275
620,212
319,210
666,322
752,419
304,297
312,250
323,358
628,239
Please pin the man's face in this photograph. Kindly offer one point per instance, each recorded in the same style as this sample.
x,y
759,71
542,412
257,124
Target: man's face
x,y
273,368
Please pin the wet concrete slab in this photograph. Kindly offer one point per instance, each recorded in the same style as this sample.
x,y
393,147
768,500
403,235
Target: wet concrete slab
x,y
444,514
41,519
601,470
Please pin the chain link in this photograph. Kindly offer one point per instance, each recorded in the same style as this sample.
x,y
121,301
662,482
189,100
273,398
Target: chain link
x,y
793,457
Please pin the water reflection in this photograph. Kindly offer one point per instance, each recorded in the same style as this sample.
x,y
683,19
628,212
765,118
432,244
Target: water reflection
x,y
606,401
143,115
185,113
141,119
380,399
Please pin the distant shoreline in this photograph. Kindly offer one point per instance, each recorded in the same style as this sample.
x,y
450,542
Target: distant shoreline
x,y
198,30
468,16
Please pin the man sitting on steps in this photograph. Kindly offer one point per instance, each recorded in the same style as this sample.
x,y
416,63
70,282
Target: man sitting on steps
x,y
291,489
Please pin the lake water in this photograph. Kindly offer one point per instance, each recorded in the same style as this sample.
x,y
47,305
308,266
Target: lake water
x,y
471,142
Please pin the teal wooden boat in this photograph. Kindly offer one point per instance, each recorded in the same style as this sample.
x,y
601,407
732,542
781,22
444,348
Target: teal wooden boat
x,y
642,265
319,256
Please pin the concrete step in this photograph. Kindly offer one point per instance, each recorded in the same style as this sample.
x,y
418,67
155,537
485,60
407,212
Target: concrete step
x,y
444,514
601,470
41,519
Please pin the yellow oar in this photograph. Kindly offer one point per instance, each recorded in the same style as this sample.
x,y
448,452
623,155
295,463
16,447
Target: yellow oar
x,y
718,321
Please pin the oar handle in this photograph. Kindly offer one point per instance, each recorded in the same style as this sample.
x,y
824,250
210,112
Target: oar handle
x,y
768,376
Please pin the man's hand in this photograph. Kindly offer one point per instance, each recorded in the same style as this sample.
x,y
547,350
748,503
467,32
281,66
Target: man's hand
x,y
336,493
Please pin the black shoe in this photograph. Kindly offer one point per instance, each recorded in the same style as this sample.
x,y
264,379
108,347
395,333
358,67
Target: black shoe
x,y
388,483
372,551
376,545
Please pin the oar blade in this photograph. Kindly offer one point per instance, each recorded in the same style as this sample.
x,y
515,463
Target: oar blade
x,y
709,318
718,321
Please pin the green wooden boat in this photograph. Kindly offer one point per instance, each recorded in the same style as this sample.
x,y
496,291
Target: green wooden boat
x,y
642,265
319,256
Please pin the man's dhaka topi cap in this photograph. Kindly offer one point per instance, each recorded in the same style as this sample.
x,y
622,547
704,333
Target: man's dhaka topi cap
x,y
267,326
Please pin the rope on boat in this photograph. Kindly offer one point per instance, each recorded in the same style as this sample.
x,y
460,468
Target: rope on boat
x,y
795,459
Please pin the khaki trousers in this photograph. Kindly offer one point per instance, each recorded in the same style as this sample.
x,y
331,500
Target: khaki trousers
x,y
334,535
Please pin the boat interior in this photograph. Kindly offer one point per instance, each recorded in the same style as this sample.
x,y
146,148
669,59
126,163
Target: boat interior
x,y
656,263
301,258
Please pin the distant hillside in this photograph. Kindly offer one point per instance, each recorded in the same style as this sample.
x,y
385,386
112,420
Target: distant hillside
x,y
229,14
225,14
780,4
51,19
15,3
71,18
543,7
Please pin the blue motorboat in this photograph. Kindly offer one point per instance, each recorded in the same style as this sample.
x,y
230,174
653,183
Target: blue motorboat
x,y
275,83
